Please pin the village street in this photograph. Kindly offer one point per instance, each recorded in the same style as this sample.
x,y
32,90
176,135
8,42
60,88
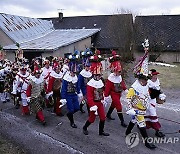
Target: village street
x,y
58,137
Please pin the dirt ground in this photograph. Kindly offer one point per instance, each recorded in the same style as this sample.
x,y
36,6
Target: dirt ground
x,y
9,148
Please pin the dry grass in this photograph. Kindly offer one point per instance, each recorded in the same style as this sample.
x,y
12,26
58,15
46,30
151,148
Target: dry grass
x,y
169,76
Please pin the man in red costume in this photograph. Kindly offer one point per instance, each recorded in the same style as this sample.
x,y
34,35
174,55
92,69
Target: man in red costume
x,y
35,94
95,95
54,85
114,87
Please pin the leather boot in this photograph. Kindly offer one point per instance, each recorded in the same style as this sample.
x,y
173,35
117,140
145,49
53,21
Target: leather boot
x,y
71,119
85,131
159,134
109,114
101,129
120,115
145,136
81,108
129,128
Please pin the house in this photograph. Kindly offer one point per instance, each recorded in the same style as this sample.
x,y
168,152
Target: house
x,y
116,30
61,35
163,32
38,37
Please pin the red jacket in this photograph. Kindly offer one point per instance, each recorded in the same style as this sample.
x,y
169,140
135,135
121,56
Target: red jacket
x,y
50,84
91,95
110,88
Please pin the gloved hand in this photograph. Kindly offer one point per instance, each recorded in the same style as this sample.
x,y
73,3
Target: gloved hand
x,y
139,112
107,99
135,112
80,96
63,102
131,112
126,92
104,103
49,94
94,108
28,99
162,96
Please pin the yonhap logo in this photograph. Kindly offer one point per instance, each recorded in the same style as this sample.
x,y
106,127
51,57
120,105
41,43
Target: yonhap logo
x,y
132,140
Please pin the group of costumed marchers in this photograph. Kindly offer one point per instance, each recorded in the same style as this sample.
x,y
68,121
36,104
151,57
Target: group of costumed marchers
x,y
142,98
77,81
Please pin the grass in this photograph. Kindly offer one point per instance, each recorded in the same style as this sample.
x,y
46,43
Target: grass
x,y
169,76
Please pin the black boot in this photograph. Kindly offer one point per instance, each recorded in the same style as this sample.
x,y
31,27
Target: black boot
x,y
145,136
159,134
120,115
71,119
81,108
88,109
44,123
129,128
101,129
17,106
85,131
109,114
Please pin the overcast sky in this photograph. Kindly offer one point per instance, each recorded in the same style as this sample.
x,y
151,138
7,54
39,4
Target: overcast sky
x,y
50,8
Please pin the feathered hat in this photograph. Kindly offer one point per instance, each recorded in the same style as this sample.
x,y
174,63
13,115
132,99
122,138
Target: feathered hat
x,y
23,67
61,60
55,65
85,57
37,71
45,61
115,65
73,61
96,65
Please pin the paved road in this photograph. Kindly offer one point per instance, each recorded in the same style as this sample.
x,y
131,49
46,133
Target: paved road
x,y
58,137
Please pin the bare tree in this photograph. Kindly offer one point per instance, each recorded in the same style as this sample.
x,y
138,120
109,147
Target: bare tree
x,y
126,11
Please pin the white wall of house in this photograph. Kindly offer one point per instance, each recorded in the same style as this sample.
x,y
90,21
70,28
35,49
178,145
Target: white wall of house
x,y
4,39
81,46
10,55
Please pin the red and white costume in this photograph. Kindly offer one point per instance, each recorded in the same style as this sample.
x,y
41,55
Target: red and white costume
x,y
20,85
94,97
114,86
151,115
45,73
55,80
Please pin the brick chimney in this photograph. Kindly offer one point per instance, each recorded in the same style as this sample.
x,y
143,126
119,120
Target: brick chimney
x,y
60,15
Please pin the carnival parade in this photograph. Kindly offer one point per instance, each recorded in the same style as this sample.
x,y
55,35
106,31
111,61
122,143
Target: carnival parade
x,y
77,83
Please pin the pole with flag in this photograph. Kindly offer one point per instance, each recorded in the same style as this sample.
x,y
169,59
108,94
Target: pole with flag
x,y
142,65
